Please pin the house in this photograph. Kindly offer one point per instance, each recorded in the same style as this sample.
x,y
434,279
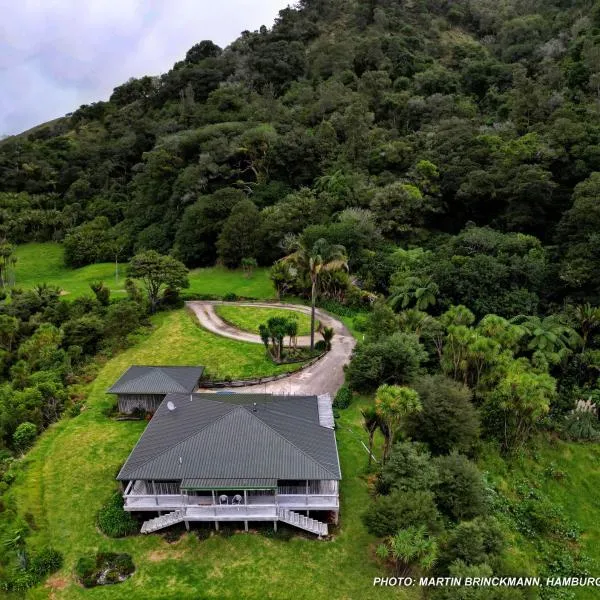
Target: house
x,y
146,387
236,457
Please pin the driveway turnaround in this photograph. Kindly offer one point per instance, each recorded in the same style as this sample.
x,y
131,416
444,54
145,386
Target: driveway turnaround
x,y
323,377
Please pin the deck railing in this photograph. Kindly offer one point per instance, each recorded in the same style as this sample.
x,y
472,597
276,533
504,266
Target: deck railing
x,y
150,501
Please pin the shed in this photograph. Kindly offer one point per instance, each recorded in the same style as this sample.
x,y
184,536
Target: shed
x,y
145,387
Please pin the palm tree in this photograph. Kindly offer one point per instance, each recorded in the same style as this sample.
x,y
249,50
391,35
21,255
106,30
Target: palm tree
x,y
423,292
393,404
327,333
370,423
313,261
588,319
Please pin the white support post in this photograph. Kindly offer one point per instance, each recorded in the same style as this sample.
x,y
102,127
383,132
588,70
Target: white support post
x,y
307,492
246,499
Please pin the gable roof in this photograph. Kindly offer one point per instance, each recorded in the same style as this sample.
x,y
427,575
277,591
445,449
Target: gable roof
x,y
157,380
234,437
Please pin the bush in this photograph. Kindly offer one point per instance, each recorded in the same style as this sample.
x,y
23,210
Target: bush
x,y
230,297
343,398
388,514
85,570
45,562
448,421
474,542
320,346
104,569
581,426
24,436
408,469
395,359
460,492
113,521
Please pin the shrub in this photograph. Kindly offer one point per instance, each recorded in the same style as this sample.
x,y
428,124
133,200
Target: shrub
x,y
24,436
104,569
460,492
320,346
474,542
581,426
230,297
408,469
395,359
448,421
388,514
113,521
85,570
343,398
45,562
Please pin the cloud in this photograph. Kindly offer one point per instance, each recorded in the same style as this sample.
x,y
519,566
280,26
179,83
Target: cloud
x,y
58,54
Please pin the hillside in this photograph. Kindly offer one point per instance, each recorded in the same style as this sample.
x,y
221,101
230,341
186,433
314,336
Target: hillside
x,y
428,171
431,115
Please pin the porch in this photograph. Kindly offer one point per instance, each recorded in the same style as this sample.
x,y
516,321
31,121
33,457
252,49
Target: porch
x,y
230,504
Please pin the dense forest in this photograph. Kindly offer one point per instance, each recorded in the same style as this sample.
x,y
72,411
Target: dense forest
x,y
448,150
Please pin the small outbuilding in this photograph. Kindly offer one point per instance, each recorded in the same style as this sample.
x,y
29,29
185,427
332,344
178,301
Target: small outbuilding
x,y
145,387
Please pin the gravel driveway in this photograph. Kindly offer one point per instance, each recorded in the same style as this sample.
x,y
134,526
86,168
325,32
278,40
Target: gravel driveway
x,y
324,377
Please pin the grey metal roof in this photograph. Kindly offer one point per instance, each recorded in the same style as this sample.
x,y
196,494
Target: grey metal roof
x,y
157,380
234,436
228,484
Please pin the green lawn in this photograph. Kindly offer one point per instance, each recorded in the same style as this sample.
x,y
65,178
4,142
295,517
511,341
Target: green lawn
x,y
70,473
249,318
43,263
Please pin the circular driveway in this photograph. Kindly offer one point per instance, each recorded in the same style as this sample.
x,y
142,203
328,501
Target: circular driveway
x,y
323,377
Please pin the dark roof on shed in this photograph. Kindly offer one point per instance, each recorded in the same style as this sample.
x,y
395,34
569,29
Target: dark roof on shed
x,y
234,436
157,380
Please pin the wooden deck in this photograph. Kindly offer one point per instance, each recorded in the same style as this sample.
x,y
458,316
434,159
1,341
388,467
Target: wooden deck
x,y
257,507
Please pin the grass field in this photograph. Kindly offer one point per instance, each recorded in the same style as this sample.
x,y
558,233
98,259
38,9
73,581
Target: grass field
x,y
43,263
70,473
250,318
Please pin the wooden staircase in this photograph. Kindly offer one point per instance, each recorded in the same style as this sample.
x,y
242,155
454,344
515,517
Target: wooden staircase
x,y
298,520
171,518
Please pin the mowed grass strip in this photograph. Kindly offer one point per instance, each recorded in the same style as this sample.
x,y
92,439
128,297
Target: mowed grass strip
x,y
70,473
249,318
44,263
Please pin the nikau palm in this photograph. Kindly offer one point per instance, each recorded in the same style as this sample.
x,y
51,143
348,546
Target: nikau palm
x,y
313,261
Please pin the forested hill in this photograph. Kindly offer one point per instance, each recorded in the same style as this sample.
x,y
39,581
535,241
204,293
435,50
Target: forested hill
x,y
377,124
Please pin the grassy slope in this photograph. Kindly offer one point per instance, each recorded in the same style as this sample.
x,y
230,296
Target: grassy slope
x,y
43,263
576,493
70,473
249,318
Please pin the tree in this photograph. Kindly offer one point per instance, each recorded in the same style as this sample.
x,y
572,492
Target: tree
x,y
460,491
157,273
548,336
239,236
522,398
248,266
394,404
370,423
395,359
408,469
448,421
327,333
9,327
588,320
475,542
313,262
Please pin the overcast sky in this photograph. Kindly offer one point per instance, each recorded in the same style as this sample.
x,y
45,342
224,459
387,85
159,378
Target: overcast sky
x,y
58,54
